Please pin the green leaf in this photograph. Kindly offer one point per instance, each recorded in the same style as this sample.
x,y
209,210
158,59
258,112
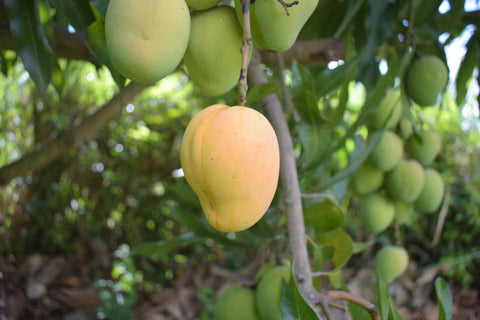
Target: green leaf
x,y
324,215
355,164
383,303
357,312
305,97
361,246
444,297
465,70
165,246
32,44
341,243
101,6
316,142
293,305
78,12
330,79
98,45
394,314
262,90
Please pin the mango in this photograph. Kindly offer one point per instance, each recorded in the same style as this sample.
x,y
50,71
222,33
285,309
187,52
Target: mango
x,y
406,128
388,152
213,58
269,292
368,178
201,4
272,29
230,158
425,147
405,182
388,113
431,195
236,303
146,40
426,79
391,262
377,212
403,212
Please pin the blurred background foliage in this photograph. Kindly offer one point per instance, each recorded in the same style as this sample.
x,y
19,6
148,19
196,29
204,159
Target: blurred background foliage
x,y
125,186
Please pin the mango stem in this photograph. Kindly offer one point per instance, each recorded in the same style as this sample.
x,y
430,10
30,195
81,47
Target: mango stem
x,y
245,50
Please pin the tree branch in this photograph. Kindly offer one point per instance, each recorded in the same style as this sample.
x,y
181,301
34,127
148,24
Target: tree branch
x,y
69,139
245,50
290,185
342,295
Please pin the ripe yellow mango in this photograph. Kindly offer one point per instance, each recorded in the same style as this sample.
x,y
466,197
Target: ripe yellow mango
x,y
390,262
272,28
146,40
201,4
230,157
213,58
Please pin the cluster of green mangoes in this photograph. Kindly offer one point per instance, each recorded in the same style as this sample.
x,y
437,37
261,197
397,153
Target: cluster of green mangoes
x,y
240,302
147,40
396,182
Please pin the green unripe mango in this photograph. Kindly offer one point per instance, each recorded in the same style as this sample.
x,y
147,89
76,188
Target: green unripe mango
x,y
272,29
388,112
236,303
425,147
432,192
213,57
405,182
426,79
403,212
377,212
368,178
146,40
406,128
201,4
388,152
390,262
269,292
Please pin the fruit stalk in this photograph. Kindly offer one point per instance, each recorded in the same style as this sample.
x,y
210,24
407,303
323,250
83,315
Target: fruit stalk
x,y
290,185
342,295
245,49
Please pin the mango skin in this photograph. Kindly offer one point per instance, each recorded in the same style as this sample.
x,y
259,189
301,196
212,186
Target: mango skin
x,y
432,192
377,212
426,79
405,182
146,40
404,212
368,178
230,158
271,28
201,4
390,262
269,292
388,113
388,152
213,58
236,303
427,148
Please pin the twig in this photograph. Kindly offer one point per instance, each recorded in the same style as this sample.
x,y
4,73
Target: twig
x,y
321,195
290,186
245,50
441,219
367,305
288,5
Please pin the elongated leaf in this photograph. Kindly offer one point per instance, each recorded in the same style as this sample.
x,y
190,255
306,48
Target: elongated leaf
x,y
78,12
330,79
32,44
465,71
101,6
383,303
357,312
259,92
98,45
305,97
293,306
324,215
316,140
394,314
165,246
444,297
